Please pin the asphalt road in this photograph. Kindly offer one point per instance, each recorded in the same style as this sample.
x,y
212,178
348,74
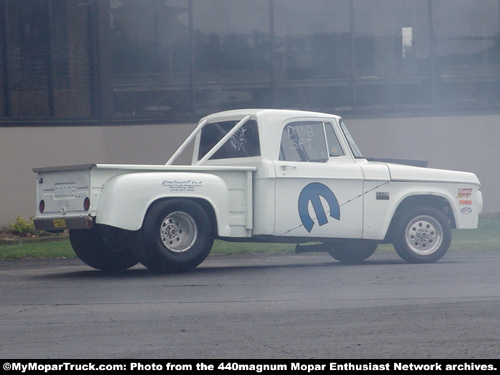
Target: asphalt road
x,y
257,306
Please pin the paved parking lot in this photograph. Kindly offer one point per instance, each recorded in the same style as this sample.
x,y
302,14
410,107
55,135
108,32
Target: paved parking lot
x,y
255,306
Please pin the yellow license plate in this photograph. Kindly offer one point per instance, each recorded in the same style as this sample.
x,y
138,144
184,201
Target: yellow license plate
x,y
59,223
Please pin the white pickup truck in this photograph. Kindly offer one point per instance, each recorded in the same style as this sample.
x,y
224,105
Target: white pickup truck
x,y
262,176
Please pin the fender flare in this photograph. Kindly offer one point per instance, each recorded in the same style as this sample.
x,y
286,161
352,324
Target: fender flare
x,y
125,199
443,194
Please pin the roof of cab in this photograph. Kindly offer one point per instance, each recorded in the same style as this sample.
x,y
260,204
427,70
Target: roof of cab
x,y
263,114
270,122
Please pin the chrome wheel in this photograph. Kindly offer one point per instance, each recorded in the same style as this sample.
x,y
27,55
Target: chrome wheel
x,y
178,231
176,236
424,235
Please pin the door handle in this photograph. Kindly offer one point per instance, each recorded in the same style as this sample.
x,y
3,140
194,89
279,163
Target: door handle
x,y
285,167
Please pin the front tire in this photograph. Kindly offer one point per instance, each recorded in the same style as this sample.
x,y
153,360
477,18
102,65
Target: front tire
x,y
89,246
422,235
177,236
353,251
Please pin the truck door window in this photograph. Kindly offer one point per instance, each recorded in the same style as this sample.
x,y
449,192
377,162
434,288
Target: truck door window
x,y
243,144
334,147
304,141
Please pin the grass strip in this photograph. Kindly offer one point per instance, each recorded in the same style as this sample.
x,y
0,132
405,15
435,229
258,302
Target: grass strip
x,y
485,238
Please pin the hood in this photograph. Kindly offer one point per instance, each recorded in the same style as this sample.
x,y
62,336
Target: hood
x,y
400,172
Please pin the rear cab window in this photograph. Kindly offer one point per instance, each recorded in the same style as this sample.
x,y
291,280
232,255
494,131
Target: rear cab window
x,y
243,144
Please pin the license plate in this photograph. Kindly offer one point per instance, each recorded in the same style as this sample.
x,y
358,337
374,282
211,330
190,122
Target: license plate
x,y
59,223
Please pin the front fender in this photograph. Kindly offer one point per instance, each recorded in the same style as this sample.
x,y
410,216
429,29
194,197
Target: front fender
x,y
126,198
380,213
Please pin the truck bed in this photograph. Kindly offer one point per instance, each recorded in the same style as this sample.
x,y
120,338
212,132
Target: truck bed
x,y
71,194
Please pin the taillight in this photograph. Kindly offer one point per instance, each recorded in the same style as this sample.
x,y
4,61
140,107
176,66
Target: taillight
x,y
86,204
41,206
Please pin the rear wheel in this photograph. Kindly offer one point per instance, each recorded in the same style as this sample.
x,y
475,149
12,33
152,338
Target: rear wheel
x,y
177,236
90,247
353,251
422,235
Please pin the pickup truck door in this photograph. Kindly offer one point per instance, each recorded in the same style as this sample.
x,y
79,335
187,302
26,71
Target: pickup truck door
x,y
319,188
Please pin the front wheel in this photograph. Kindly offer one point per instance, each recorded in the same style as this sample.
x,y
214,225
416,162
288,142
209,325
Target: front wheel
x,y
422,235
177,236
90,247
353,251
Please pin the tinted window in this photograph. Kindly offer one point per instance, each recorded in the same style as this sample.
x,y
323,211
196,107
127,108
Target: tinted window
x,y
232,54
28,53
150,57
392,54
312,45
72,65
467,51
243,144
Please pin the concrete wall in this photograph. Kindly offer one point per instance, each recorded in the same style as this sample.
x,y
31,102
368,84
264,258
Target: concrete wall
x,y
463,143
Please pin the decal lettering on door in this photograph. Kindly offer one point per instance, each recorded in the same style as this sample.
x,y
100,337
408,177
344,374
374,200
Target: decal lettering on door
x,y
312,193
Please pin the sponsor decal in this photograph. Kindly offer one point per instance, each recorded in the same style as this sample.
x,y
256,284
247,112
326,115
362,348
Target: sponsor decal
x,y
464,192
466,210
182,185
313,193
465,202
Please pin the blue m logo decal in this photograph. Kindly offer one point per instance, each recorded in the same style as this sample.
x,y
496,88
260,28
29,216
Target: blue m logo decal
x,y
312,193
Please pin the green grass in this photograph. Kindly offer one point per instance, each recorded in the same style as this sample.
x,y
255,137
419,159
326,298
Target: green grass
x,y
486,237
49,249
62,249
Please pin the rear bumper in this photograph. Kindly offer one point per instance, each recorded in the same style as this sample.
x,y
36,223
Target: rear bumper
x,y
61,223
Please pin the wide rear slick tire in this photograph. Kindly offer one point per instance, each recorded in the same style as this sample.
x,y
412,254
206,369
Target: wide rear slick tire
x,y
422,235
89,246
177,235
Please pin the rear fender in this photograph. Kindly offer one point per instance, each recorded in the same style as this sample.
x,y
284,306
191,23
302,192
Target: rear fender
x,y
126,198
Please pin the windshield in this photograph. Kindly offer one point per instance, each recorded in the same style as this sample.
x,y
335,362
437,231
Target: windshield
x,y
354,148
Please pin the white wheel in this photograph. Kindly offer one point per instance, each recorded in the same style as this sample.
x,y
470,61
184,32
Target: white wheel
x,y
178,231
177,235
422,235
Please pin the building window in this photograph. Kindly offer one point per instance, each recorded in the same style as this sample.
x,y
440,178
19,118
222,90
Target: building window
x,y
46,63
3,66
467,45
312,54
72,63
392,54
174,60
150,58
232,54
28,58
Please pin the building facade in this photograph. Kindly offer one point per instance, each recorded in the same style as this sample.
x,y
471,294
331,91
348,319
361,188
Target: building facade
x,y
125,80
